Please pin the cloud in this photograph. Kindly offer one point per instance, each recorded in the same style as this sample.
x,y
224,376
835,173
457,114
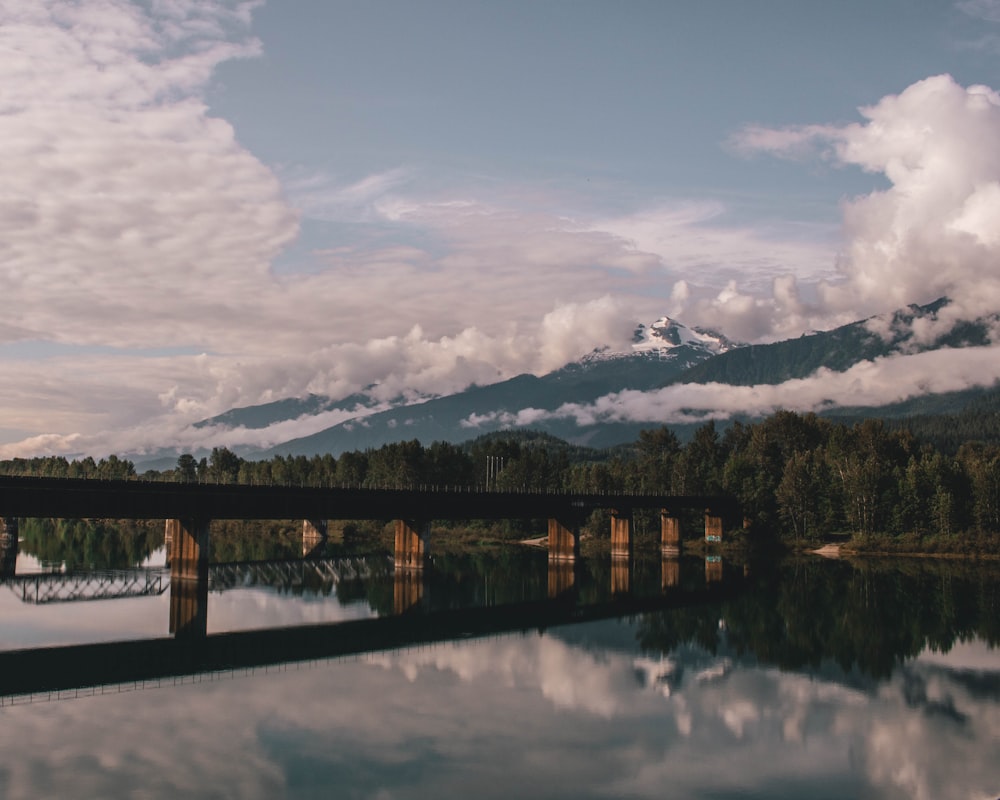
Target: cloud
x,y
133,220
127,212
931,233
795,142
868,383
988,10
139,403
692,239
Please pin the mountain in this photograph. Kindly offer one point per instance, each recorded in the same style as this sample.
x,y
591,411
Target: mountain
x,y
262,416
838,349
661,354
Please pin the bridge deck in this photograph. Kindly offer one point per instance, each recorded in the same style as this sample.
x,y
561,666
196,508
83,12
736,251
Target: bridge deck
x,y
95,499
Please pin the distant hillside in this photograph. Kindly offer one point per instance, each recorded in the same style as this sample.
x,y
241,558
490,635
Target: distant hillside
x,y
663,353
838,349
448,418
256,417
945,420
478,410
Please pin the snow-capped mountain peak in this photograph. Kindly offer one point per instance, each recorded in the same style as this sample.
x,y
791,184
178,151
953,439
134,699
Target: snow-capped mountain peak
x,y
666,334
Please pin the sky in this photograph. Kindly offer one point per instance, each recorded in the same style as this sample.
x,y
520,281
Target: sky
x,y
207,204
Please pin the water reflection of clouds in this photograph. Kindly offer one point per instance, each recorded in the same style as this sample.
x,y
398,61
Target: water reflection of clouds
x,y
255,608
28,625
530,716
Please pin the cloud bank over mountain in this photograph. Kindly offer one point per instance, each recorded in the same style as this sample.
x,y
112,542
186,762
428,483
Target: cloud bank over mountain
x,y
869,383
932,231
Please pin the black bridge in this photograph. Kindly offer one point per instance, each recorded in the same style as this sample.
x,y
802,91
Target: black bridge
x,y
134,499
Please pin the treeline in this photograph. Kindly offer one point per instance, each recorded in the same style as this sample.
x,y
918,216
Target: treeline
x,y
798,477
111,468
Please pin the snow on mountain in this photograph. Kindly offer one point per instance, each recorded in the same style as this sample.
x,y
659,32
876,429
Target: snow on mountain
x,y
666,334
666,339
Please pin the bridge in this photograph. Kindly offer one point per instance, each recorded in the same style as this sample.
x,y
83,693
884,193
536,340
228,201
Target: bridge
x,y
189,508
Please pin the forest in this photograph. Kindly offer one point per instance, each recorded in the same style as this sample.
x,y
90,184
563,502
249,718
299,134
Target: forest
x,y
799,478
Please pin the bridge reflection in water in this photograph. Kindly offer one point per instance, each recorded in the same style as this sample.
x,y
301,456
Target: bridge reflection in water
x,y
188,599
192,651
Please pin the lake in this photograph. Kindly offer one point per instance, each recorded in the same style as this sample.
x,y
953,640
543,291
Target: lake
x,y
803,678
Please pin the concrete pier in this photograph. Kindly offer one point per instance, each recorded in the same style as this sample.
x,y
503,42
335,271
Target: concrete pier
x,y
564,540
621,535
412,544
670,533
622,548
713,527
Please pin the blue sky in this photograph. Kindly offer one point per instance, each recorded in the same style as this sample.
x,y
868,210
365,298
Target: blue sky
x,y
210,204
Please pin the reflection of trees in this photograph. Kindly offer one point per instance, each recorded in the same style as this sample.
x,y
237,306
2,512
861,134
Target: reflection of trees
x,y
255,540
866,617
665,631
91,543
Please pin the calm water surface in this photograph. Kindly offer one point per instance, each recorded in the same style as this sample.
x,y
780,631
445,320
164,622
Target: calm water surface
x,y
818,679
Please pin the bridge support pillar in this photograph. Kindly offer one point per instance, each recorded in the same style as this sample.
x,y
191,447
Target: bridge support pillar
x,y
621,535
713,526
564,540
713,569
621,553
564,548
188,576
412,544
670,533
313,536
8,546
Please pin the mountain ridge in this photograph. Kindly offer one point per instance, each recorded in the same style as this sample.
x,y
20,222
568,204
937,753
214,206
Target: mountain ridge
x,y
664,353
